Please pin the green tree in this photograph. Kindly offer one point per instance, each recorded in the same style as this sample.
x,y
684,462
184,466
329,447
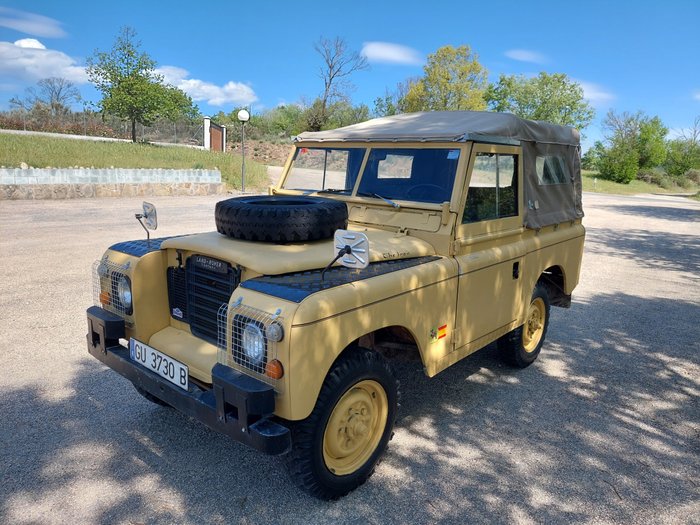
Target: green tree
x,y
554,98
651,142
591,159
683,153
637,132
393,102
342,113
131,89
453,79
620,162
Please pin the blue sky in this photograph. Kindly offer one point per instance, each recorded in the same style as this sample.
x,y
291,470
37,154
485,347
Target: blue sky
x,y
629,56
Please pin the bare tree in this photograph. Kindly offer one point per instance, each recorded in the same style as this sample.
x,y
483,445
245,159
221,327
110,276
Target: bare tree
x,y
623,125
53,94
339,62
692,134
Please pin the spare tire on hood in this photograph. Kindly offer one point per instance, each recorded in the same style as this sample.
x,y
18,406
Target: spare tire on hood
x,y
280,218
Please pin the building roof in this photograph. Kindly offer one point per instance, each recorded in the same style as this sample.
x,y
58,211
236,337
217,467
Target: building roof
x,y
449,126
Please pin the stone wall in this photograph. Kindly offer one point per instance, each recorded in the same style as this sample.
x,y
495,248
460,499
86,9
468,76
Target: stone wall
x,y
76,183
79,191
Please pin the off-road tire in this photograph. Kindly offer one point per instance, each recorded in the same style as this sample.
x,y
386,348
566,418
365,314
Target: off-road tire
x,y
151,397
513,345
306,462
280,218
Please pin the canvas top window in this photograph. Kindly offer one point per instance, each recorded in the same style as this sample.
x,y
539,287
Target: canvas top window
x,y
316,169
552,169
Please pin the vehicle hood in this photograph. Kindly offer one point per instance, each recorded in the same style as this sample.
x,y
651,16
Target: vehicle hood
x,y
275,259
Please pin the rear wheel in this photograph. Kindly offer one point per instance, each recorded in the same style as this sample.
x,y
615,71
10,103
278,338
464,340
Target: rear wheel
x,y
337,447
522,346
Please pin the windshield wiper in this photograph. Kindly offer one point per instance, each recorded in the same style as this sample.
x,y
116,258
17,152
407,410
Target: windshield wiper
x,y
335,190
377,196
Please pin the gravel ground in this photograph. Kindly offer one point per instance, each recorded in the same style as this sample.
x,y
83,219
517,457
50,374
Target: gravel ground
x,y
603,428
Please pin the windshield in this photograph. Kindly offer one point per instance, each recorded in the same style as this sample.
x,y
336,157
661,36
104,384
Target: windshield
x,y
318,169
425,175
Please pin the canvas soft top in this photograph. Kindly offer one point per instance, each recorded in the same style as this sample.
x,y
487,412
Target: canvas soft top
x,y
546,201
449,126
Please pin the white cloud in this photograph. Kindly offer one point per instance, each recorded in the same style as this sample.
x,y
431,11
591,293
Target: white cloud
x,y
595,93
30,23
230,93
389,53
30,43
696,95
526,55
29,60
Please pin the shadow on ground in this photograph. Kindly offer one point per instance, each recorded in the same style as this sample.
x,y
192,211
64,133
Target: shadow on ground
x,y
654,250
689,214
603,425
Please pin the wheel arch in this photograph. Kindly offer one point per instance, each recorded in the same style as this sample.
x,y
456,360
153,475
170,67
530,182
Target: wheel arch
x,y
554,280
391,341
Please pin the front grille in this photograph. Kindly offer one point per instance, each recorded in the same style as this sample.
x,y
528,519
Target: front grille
x,y
210,283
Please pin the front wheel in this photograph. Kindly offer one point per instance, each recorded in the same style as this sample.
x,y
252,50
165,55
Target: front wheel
x,y
522,346
337,447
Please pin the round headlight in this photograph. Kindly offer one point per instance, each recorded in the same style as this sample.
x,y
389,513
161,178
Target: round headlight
x,y
124,291
253,344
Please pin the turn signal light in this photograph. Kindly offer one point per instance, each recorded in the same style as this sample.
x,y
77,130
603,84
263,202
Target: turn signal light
x,y
273,369
105,298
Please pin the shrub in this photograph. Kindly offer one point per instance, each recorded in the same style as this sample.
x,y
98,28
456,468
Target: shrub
x,y
684,182
693,175
666,183
647,176
620,163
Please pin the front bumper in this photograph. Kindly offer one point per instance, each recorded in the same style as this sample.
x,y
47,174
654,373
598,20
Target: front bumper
x,y
237,405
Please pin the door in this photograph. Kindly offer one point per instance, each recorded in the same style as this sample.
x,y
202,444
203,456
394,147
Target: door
x,y
489,248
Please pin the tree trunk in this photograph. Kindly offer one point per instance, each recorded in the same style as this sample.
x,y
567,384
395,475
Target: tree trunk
x,y
133,130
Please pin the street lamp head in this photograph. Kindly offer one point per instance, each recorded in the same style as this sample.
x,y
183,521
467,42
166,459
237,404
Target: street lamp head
x,y
243,116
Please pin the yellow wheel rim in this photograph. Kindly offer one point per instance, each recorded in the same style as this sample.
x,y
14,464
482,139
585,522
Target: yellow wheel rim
x,y
355,427
534,325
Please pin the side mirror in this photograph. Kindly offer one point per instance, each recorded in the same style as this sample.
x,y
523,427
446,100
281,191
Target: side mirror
x,y
354,247
150,216
148,219
353,250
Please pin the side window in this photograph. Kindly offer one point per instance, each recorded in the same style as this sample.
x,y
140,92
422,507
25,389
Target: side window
x,y
493,190
552,170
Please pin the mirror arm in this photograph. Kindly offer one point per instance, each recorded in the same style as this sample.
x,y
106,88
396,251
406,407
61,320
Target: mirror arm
x,y
345,250
139,217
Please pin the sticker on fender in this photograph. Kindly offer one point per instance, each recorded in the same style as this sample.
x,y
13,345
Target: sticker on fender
x,y
163,365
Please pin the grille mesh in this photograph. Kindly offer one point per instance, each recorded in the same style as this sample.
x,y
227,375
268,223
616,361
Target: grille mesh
x,y
177,293
105,277
207,290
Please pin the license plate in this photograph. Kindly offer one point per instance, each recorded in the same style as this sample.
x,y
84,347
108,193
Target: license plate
x,y
166,367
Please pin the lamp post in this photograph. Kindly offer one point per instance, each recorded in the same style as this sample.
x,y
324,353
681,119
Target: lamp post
x,y
243,117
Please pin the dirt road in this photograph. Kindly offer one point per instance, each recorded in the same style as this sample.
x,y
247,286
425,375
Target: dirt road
x,y
605,427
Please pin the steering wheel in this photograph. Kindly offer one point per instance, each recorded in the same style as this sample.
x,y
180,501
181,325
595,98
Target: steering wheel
x,y
423,190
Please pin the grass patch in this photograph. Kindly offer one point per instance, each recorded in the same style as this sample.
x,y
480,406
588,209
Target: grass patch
x,y
41,152
592,182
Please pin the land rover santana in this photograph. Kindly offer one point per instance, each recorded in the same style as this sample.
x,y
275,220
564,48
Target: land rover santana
x,y
433,234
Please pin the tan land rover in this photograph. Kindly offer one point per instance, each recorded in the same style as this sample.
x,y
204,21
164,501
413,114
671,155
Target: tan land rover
x,y
432,234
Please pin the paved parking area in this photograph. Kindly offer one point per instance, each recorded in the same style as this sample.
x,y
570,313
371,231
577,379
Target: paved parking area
x,y
603,428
